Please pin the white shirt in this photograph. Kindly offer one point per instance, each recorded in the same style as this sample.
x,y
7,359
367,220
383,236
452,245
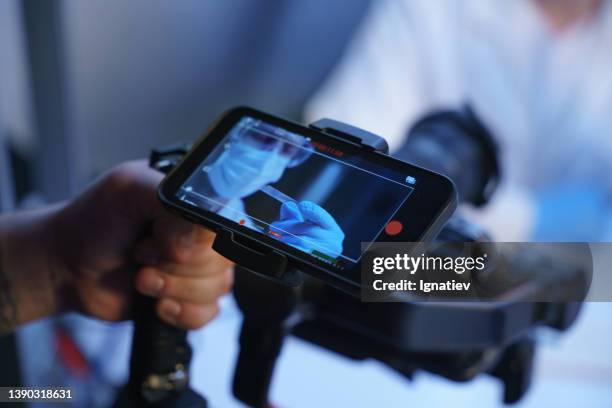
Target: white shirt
x,y
547,97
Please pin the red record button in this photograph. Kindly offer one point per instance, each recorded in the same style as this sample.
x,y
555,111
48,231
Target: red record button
x,y
393,227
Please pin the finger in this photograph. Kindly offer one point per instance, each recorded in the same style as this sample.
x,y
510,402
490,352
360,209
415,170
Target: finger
x,y
156,283
211,264
290,211
199,260
186,315
317,215
180,240
173,236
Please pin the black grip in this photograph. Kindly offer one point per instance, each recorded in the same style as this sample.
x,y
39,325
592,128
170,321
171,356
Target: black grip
x,y
259,348
159,362
160,355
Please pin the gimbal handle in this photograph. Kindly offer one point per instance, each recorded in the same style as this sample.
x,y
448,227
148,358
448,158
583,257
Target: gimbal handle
x,y
160,356
159,362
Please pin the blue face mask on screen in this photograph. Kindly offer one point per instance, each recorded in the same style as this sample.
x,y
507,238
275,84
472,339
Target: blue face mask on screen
x,y
243,169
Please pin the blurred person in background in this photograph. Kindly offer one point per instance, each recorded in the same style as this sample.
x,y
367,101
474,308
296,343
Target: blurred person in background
x,y
537,72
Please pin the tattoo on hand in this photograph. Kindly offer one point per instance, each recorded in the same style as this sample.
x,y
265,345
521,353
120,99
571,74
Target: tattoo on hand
x,y
8,307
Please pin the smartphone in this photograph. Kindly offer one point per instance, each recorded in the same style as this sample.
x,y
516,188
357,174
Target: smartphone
x,y
316,198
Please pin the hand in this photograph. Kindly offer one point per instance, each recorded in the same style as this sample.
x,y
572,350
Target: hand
x,y
308,227
117,235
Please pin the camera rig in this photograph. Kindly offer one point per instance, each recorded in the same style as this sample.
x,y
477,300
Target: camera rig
x,y
456,340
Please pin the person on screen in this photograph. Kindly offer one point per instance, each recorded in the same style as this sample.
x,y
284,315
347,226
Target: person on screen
x,y
258,155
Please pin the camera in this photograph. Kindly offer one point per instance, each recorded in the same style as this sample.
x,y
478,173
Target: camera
x,y
487,332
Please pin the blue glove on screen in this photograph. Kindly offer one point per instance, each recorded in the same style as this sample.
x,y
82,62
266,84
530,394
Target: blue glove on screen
x,y
308,227
571,213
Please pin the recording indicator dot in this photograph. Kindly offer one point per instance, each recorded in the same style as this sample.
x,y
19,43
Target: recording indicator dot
x,y
241,222
393,227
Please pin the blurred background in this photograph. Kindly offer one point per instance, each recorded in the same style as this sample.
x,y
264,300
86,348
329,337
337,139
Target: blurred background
x,y
86,85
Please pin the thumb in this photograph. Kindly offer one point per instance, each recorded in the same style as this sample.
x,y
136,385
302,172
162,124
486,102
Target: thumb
x,y
316,214
290,212
137,185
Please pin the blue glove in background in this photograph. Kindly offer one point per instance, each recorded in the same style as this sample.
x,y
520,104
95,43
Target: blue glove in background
x,y
571,213
311,228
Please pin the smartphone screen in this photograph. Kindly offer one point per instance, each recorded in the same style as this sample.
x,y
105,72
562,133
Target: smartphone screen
x,y
308,191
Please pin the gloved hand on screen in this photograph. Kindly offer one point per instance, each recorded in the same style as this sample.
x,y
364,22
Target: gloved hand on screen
x,y
308,227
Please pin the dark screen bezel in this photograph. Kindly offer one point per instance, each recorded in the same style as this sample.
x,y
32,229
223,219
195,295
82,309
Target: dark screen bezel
x,y
432,197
